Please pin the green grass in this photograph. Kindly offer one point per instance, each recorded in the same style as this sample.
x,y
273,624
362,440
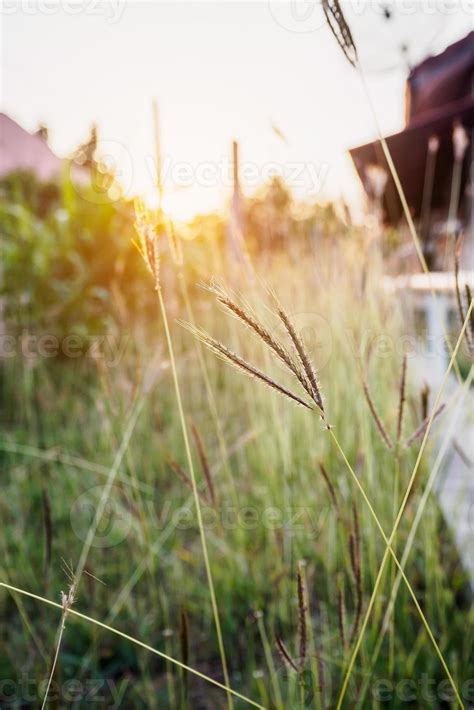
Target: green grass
x,y
274,510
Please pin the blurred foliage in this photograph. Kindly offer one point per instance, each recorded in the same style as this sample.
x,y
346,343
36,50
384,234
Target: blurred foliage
x,y
68,263
68,259
274,219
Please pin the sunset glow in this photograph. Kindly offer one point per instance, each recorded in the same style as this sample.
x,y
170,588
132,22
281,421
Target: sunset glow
x,y
257,72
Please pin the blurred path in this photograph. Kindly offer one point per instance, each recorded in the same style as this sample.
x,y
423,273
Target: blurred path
x,y
455,487
427,363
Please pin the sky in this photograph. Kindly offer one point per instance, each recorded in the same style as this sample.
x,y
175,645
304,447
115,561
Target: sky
x,y
267,74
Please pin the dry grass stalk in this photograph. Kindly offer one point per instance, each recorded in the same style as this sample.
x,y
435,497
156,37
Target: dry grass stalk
x,y
67,600
424,398
402,398
331,489
206,469
302,612
90,580
470,326
467,461
152,261
469,332
148,244
297,665
174,243
183,477
375,415
457,249
422,428
355,556
355,517
184,635
184,649
179,471
48,531
341,610
285,655
340,29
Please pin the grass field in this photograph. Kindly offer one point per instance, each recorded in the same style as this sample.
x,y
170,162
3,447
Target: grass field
x,y
294,550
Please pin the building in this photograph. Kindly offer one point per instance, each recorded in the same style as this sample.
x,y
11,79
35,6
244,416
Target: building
x,y
433,153
21,151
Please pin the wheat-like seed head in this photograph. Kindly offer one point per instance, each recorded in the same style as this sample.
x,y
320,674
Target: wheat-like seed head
x,y
402,397
149,247
330,487
184,477
422,428
424,398
285,655
204,461
311,382
240,364
67,600
340,29
184,635
245,317
302,612
341,609
375,415
174,243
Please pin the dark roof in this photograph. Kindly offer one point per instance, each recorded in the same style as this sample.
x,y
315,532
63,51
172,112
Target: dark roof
x,y
442,79
441,93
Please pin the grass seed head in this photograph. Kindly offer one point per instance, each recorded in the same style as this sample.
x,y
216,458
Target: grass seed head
x,y
146,228
302,612
340,29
